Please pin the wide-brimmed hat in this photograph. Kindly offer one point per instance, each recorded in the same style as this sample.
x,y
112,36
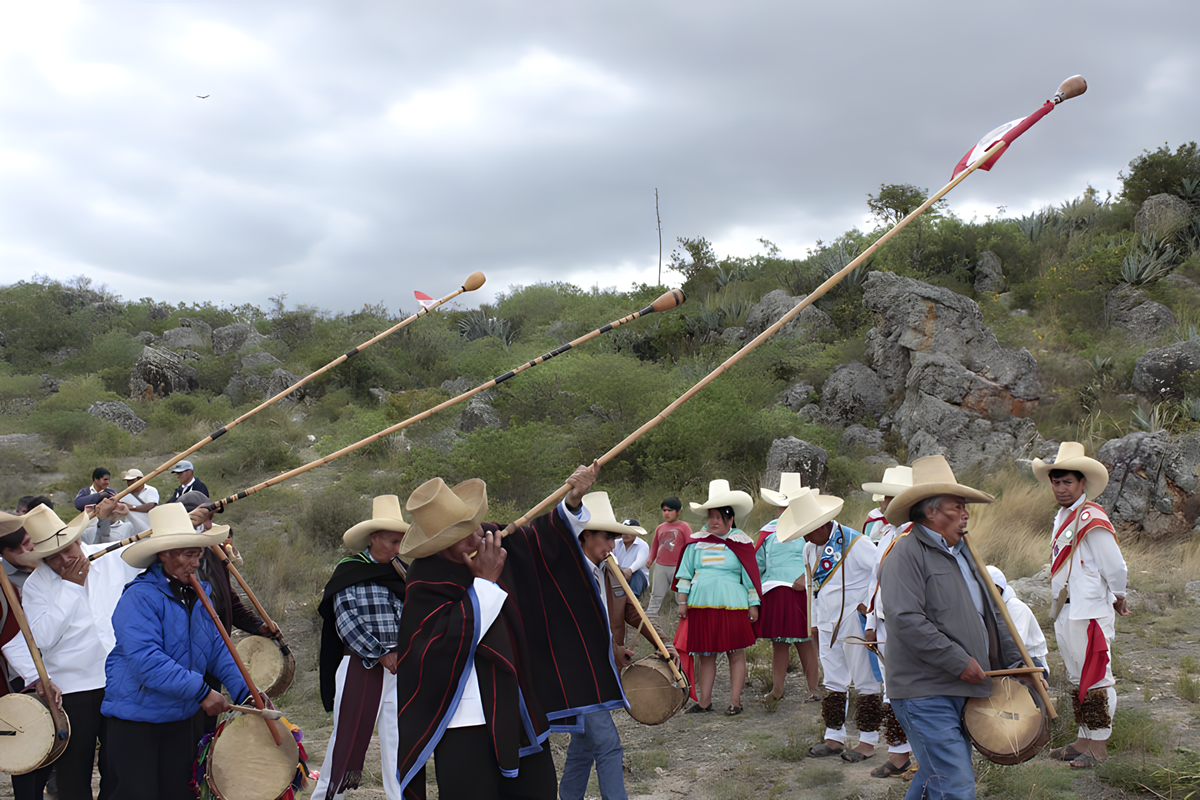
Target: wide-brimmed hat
x,y
1070,456
50,535
132,475
10,523
172,530
601,516
805,513
789,487
721,496
443,516
385,516
895,480
931,476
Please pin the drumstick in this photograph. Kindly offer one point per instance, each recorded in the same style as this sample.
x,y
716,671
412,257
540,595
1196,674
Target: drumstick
x,y
996,673
60,727
265,713
212,612
1012,629
221,554
658,642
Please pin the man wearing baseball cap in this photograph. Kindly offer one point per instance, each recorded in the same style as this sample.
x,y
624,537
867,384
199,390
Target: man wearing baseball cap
x,y
188,482
139,502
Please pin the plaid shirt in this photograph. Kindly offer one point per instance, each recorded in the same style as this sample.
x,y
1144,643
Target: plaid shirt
x,y
367,617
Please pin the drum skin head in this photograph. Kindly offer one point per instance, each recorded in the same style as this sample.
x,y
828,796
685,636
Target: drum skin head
x,y
35,744
1010,726
245,764
270,669
650,688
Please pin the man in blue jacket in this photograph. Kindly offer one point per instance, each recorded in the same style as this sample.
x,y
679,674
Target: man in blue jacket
x,y
166,641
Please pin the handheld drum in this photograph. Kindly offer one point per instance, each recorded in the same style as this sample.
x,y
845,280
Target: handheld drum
x,y
243,762
653,693
1009,727
272,667
27,734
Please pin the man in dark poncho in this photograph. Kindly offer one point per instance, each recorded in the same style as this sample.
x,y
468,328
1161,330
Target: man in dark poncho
x,y
497,650
361,612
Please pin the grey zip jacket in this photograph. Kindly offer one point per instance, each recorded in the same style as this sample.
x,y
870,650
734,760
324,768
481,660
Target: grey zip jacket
x,y
933,628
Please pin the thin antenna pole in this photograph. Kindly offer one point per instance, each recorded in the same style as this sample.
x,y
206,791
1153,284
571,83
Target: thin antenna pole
x,y
658,217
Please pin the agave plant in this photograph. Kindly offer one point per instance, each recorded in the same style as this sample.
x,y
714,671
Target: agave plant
x,y
1147,261
477,325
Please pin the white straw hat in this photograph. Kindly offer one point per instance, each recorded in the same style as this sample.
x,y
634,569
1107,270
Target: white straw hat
x,y
807,512
1070,456
50,535
721,496
385,516
172,530
789,487
895,480
443,516
931,476
602,517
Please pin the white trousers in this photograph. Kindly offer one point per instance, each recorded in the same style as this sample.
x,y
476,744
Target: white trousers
x,y
881,642
1072,645
387,723
845,664
660,583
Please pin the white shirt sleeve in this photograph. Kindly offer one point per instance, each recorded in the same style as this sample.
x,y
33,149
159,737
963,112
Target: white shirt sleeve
x,y
16,653
578,522
470,707
1109,560
641,554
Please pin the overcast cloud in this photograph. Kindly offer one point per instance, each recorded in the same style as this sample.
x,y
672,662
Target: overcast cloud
x,y
352,152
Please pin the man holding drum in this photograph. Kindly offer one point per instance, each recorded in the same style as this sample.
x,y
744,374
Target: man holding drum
x,y
1086,601
165,642
942,628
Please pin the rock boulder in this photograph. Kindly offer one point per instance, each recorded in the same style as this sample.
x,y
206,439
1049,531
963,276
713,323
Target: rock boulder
x,y
192,334
118,414
773,306
1129,310
1162,215
797,395
478,414
239,337
796,455
989,276
1152,483
853,393
159,372
1158,372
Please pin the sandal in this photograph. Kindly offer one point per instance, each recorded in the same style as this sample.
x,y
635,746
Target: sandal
x,y
822,750
733,711
1084,761
854,757
813,698
699,709
1068,753
889,770
770,697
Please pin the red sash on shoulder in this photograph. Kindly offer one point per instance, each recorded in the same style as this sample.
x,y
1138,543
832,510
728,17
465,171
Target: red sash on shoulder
x,y
1091,516
744,552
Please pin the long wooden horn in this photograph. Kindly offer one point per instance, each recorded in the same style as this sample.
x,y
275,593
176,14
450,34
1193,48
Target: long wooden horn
x,y
667,301
276,631
817,293
473,282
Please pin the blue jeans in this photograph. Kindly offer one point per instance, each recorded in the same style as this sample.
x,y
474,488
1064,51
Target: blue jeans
x,y
939,742
638,582
601,743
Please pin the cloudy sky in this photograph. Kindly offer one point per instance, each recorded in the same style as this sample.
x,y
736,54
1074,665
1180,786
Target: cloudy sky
x,y
352,152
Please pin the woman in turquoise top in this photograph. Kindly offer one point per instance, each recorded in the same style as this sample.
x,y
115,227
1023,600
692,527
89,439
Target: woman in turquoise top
x,y
784,617
718,595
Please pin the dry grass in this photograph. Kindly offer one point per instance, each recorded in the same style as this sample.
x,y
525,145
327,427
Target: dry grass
x,y
1013,532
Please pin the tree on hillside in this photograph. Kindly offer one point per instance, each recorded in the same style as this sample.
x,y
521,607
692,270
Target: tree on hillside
x,y
697,258
1160,172
896,201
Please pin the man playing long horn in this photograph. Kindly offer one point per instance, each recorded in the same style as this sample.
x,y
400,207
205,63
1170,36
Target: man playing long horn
x,y
839,561
1086,600
885,534
500,648
359,637
943,630
69,603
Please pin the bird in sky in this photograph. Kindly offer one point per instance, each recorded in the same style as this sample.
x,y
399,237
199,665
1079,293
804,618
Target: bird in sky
x,y
202,96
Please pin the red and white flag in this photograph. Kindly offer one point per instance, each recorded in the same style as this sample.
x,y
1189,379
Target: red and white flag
x,y
1009,131
425,300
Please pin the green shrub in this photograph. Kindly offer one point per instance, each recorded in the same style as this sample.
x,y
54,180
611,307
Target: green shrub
x,y
250,450
329,513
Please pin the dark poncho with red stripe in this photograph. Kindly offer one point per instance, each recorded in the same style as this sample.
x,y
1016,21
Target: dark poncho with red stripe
x,y
546,659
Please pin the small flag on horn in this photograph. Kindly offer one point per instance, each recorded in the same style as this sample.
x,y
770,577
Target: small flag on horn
x,y
1009,131
425,300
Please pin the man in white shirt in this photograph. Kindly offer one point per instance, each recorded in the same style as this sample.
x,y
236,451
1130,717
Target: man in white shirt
x,y
69,603
1087,590
632,553
140,502
839,562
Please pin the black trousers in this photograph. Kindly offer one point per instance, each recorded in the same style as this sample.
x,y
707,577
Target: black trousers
x,y
151,760
78,759
466,769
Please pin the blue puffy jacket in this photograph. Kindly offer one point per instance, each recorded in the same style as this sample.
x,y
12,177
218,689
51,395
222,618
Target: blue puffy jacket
x,y
156,671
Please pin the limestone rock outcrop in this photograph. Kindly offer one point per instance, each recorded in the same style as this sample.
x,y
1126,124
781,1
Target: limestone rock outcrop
x,y
1158,372
159,372
853,393
1152,483
1162,215
1142,319
796,455
989,275
239,337
118,414
767,311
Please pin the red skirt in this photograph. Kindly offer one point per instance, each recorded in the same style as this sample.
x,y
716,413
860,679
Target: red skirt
x,y
784,615
718,630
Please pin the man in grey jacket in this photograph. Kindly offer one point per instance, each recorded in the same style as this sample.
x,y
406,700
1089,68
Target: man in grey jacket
x,y
943,631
